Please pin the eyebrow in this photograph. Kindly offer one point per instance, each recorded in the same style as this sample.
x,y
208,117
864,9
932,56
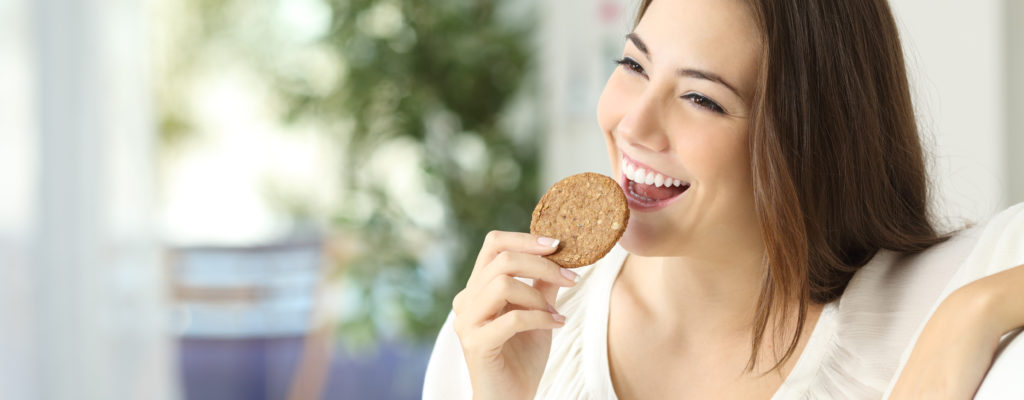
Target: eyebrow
x,y
689,72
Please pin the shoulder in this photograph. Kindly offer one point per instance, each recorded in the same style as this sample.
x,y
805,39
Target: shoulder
x,y
878,314
920,276
888,300
969,254
999,246
894,286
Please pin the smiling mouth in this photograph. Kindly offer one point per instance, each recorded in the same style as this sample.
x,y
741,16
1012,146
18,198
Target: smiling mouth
x,y
646,188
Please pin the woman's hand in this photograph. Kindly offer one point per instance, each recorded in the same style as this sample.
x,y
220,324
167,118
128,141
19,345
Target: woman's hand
x,y
503,324
956,347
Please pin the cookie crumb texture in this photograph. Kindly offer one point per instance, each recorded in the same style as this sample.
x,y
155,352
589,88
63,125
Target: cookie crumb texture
x,y
587,212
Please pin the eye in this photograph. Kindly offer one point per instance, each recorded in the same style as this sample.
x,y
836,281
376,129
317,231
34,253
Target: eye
x,y
631,65
703,102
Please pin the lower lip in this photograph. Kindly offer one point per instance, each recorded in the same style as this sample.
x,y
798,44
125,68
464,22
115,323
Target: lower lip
x,y
644,206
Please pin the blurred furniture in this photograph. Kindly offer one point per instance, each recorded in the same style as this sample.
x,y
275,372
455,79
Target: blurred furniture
x,y
253,322
1002,381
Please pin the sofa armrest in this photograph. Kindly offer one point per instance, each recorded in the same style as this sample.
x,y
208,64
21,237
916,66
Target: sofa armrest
x,y
1005,379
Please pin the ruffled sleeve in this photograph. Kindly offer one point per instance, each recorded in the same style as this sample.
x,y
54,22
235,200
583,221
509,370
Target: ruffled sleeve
x,y
862,334
577,367
999,247
447,376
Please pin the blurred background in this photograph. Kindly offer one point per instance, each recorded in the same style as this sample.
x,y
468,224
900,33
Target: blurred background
x,y
271,199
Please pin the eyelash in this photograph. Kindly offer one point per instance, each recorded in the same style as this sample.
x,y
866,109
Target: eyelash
x,y
696,98
704,102
631,65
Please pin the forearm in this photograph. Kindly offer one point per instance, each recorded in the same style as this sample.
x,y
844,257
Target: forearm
x,y
1000,299
957,344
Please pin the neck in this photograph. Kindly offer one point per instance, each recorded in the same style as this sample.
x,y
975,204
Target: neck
x,y
698,298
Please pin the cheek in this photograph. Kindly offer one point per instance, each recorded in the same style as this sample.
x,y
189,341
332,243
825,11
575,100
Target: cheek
x,y
719,156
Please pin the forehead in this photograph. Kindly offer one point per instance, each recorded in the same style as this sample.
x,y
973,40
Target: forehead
x,y
716,35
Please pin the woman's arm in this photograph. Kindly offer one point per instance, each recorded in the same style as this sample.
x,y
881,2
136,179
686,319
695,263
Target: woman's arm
x,y
957,344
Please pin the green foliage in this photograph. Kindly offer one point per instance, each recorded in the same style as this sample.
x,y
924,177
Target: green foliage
x,y
451,60
421,83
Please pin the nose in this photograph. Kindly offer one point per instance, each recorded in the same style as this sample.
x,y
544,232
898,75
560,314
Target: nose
x,y
642,125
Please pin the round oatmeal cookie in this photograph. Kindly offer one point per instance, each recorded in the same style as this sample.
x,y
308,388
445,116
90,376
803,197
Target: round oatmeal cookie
x,y
587,212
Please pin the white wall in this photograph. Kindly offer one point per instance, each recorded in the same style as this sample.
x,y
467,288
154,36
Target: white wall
x,y
16,161
957,60
1014,24
81,297
580,38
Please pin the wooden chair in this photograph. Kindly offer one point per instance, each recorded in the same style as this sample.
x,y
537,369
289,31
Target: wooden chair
x,y
261,291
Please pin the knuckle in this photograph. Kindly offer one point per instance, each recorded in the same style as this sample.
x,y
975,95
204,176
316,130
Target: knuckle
x,y
460,327
503,258
457,301
492,236
538,298
555,272
516,318
505,283
469,343
472,343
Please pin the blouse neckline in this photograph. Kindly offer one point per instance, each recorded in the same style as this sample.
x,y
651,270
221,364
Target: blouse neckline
x,y
595,352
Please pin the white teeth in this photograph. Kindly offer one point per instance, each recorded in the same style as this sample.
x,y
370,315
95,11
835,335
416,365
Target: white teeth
x,y
640,175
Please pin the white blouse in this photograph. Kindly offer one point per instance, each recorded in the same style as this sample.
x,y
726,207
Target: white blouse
x,y
857,347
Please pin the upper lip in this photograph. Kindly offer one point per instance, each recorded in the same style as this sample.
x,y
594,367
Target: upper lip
x,y
646,167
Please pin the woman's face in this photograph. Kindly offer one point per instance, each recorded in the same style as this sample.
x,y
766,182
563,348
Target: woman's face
x,y
677,108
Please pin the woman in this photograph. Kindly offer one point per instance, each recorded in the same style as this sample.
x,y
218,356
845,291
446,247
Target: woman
x,y
796,259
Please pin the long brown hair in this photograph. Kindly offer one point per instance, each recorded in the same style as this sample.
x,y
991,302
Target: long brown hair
x,y
838,168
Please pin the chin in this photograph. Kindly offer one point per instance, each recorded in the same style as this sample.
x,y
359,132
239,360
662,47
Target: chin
x,y
645,239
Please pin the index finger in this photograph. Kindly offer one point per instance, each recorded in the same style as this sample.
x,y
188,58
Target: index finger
x,y
499,241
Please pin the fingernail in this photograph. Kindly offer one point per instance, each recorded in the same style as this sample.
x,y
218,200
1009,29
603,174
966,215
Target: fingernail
x,y
558,317
546,241
572,276
551,309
